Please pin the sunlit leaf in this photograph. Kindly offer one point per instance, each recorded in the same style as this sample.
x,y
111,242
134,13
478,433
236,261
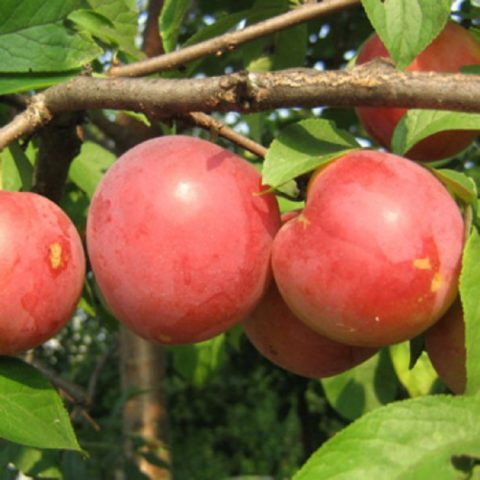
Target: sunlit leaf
x,y
406,27
31,410
419,124
470,294
35,38
409,440
363,388
302,147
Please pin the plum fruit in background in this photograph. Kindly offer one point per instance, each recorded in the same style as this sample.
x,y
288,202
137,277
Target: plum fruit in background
x,y
288,343
453,49
445,345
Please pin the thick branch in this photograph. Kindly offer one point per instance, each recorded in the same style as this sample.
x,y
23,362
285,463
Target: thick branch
x,y
230,41
376,84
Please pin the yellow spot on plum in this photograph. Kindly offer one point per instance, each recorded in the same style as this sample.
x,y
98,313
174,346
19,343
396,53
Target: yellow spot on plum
x,y
422,263
437,281
55,255
303,220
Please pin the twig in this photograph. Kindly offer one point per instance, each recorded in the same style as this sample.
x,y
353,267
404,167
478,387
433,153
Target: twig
x,y
100,365
209,123
76,394
230,41
80,409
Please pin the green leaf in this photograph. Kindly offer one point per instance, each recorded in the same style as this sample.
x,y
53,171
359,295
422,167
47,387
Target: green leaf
x,y
74,466
406,27
171,19
18,83
89,166
260,64
363,388
419,124
221,25
123,14
287,205
17,170
31,412
303,147
34,462
470,293
458,183
35,38
471,69
418,380
197,362
102,28
408,440
225,23
290,47
284,49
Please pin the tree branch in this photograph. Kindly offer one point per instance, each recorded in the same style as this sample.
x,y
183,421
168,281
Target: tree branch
x,y
230,41
373,84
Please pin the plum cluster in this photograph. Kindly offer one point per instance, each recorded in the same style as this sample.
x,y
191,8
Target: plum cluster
x,y
185,242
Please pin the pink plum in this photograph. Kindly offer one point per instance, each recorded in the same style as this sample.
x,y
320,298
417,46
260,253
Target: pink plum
x,y
180,238
375,256
42,269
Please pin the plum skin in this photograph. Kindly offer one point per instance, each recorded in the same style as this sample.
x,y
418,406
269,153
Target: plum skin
x,y
180,240
445,345
453,49
375,257
42,270
287,342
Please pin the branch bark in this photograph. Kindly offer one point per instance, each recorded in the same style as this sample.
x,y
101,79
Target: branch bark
x,y
373,84
229,41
